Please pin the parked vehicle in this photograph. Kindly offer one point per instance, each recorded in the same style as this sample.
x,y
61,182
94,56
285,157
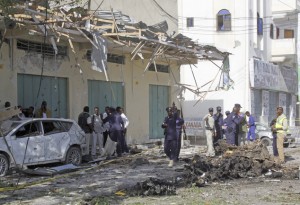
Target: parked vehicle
x,y
264,133
40,141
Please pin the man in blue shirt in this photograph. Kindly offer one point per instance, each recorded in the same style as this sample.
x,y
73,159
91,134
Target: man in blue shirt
x,y
233,122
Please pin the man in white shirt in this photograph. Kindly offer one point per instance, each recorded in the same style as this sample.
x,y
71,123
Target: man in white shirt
x,y
97,132
209,124
105,125
126,123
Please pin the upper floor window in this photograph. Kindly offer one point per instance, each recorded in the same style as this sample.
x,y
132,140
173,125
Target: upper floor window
x,y
288,33
190,22
224,20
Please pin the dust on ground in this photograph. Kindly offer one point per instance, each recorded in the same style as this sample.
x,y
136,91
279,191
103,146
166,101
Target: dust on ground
x,y
112,182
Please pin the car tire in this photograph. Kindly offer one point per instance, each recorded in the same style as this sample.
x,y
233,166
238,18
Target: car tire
x,y
266,141
73,156
4,165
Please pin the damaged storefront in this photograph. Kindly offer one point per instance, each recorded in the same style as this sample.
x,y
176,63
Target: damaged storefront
x,y
71,58
272,86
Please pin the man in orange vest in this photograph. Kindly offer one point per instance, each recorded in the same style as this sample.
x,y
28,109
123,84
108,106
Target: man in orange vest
x,y
280,127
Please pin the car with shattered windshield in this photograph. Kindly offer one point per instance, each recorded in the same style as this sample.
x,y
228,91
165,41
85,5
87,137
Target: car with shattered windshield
x,y
37,141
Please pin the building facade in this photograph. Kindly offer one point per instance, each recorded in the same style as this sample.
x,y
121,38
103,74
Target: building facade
x,y
262,39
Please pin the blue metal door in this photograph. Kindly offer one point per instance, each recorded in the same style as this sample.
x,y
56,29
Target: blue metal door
x,y
54,90
158,101
103,93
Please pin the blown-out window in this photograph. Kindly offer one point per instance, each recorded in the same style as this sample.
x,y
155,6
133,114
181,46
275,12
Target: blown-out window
x,y
224,20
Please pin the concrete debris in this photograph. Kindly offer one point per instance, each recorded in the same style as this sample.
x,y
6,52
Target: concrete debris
x,y
235,162
154,187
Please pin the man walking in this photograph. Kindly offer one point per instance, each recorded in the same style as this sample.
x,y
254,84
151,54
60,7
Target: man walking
x,y
85,122
209,124
169,126
97,132
280,127
218,117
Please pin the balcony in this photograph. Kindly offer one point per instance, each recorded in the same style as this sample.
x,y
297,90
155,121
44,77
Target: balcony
x,y
283,49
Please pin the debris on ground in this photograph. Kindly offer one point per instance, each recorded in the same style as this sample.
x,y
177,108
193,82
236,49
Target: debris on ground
x,y
139,162
252,160
154,187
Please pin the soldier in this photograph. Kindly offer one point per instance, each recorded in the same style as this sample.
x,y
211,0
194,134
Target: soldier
x,y
209,132
169,126
233,121
218,117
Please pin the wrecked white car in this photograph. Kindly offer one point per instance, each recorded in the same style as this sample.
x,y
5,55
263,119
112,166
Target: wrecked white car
x,y
40,141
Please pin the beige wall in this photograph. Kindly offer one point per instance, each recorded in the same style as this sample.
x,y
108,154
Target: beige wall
x,y
145,10
136,84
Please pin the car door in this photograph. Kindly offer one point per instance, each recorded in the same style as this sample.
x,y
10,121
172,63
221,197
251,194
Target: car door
x,y
27,144
56,140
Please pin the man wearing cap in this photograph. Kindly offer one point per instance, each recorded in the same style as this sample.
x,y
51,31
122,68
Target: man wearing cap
x,y
224,126
233,121
169,126
218,117
280,127
209,124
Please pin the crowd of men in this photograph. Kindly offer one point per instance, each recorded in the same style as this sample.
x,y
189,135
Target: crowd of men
x,y
237,128
107,131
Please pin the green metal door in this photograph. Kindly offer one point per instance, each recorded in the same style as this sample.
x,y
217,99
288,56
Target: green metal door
x,y
158,101
54,90
103,93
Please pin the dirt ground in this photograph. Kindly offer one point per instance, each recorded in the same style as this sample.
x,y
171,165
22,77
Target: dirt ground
x,y
109,182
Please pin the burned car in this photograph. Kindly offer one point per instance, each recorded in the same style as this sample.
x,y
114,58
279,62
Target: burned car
x,y
264,133
29,142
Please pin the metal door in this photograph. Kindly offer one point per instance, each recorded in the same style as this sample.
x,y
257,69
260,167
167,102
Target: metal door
x,y
102,94
53,90
158,101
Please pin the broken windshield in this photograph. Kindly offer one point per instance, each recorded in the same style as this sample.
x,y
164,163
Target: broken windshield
x,y
7,126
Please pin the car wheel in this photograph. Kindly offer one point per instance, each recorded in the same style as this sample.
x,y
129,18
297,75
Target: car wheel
x,y
4,165
73,156
266,141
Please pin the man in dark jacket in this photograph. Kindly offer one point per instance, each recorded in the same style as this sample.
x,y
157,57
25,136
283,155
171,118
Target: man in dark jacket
x,y
116,129
85,122
233,122
218,117
169,124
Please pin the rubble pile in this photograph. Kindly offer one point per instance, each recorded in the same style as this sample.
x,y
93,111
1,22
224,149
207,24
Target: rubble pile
x,y
154,187
234,162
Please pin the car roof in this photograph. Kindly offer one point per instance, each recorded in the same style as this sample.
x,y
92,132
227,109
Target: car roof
x,y
44,119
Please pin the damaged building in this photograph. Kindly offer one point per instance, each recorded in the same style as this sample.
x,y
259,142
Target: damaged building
x,y
72,57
